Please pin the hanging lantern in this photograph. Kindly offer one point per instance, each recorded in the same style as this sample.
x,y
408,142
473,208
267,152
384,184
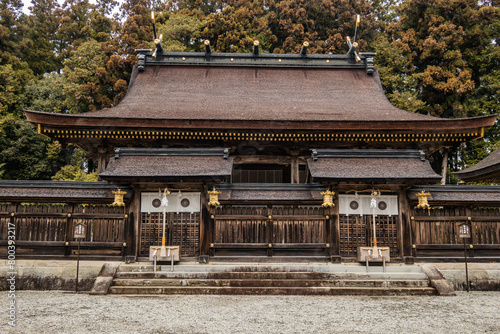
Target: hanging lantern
x,y
214,197
422,200
328,199
119,197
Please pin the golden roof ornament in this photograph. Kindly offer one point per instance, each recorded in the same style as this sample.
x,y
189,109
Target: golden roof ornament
x,y
327,199
214,197
119,197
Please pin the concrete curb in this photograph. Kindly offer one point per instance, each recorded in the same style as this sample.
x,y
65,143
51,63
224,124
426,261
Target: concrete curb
x,y
105,278
438,281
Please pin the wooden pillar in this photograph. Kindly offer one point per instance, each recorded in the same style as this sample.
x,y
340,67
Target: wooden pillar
x,y
404,227
135,217
102,159
204,226
473,238
69,230
131,233
335,228
294,166
269,230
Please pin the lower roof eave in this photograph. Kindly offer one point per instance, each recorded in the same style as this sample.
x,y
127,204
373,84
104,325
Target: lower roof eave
x,y
375,181
484,174
155,179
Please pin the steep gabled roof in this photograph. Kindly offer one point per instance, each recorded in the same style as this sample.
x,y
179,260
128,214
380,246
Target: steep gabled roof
x,y
257,92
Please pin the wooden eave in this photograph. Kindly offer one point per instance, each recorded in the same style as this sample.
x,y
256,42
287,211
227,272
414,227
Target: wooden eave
x,y
450,195
84,122
60,191
74,128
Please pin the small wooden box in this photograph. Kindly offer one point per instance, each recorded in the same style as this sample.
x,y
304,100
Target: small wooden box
x,y
174,253
378,256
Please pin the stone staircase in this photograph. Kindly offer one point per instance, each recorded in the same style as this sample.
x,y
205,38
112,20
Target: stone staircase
x,y
271,279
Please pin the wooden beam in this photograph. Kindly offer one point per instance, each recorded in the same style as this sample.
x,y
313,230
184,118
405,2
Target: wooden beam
x,y
456,219
262,159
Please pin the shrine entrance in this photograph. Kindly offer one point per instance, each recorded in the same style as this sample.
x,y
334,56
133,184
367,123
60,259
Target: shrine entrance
x,y
182,222
357,231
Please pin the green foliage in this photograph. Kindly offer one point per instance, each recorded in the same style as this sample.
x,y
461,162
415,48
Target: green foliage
x,y
73,173
39,42
84,71
46,94
181,33
23,153
74,170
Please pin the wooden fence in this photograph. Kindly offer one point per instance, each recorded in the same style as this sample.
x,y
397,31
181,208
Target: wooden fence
x,y
434,233
270,231
45,230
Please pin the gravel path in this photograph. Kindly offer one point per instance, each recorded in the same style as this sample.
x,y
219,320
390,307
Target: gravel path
x,y
65,312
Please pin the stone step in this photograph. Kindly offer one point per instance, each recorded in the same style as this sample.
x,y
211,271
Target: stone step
x,y
269,283
246,267
324,291
273,275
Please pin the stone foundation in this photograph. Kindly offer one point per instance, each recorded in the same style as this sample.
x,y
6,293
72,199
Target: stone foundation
x,y
50,275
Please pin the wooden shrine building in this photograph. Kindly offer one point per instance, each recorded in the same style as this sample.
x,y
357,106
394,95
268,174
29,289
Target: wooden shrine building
x,y
273,135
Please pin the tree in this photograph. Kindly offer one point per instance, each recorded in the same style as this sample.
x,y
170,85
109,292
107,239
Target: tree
x,y
74,171
46,94
23,154
39,43
435,60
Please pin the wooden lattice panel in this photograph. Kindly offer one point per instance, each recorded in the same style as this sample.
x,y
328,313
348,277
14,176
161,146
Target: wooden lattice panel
x,y
182,229
357,231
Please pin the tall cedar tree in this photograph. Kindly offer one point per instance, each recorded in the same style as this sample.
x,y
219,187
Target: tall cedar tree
x,y
431,61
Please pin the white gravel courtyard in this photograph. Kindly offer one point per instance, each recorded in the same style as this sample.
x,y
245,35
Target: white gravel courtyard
x,y
66,312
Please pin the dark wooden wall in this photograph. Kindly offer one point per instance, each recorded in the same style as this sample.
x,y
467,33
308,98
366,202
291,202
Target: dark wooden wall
x,y
270,230
44,230
434,233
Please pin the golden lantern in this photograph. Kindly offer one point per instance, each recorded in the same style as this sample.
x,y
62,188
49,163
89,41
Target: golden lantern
x,y
119,197
422,200
214,197
327,199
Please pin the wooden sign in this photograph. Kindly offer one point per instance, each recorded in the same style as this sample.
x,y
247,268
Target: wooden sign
x,y
464,231
79,232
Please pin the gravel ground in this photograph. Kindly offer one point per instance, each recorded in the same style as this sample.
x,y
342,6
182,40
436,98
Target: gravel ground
x,y
65,312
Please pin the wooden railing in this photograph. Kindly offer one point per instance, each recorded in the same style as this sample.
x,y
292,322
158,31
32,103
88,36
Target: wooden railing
x,y
47,229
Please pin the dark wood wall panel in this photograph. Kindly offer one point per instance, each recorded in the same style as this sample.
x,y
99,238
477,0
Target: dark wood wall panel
x,y
435,232
48,228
